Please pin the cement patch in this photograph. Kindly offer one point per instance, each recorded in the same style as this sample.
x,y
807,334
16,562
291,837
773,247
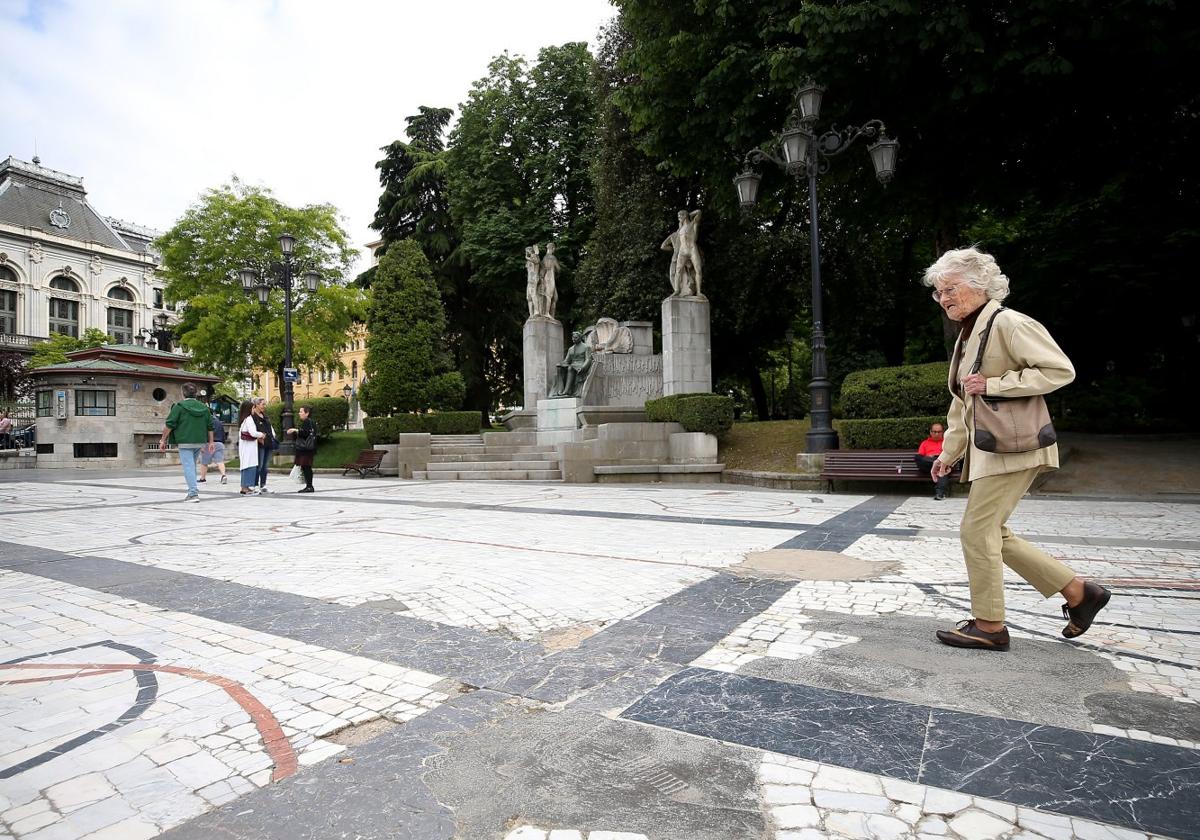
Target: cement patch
x,y
802,564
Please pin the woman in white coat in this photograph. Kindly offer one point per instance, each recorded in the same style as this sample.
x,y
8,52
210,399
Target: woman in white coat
x,y
248,438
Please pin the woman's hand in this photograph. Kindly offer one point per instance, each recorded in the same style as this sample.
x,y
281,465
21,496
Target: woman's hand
x,y
291,431
975,384
939,469
261,435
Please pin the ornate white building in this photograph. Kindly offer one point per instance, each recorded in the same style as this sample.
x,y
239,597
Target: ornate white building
x,y
65,268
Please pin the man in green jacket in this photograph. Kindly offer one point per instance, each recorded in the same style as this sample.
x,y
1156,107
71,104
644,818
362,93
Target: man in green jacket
x,y
189,426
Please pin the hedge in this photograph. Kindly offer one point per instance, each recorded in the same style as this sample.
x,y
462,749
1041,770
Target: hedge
x,y
385,430
887,433
329,413
711,413
905,391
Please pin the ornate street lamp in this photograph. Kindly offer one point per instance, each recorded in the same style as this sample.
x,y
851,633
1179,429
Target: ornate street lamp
x,y
281,275
346,392
805,153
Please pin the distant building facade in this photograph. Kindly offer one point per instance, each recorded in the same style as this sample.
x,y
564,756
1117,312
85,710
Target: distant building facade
x,y
64,267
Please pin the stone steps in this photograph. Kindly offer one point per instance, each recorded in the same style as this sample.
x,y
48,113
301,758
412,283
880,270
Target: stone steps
x,y
493,456
491,466
488,475
489,455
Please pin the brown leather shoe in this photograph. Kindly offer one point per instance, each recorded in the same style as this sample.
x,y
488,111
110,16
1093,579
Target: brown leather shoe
x,y
1079,618
967,635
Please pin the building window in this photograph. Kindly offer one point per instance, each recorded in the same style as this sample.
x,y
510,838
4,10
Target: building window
x,y
95,403
158,299
45,403
8,312
95,450
66,284
310,376
120,325
64,317
354,370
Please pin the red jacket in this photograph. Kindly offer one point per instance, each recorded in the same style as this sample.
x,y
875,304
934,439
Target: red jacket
x,y
930,447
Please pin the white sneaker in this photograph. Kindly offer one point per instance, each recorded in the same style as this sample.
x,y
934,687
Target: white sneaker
x,y
224,479
192,499
263,490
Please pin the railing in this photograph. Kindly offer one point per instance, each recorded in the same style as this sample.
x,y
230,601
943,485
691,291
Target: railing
x,y
20,342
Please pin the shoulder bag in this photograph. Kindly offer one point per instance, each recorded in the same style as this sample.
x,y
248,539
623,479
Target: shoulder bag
x,y
1008,425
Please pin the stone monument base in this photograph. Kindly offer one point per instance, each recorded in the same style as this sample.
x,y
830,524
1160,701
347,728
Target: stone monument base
x,y
687,346
558,414
542,349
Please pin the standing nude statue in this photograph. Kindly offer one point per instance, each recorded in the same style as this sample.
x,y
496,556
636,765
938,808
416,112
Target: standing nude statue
x,y
687,265
533,281
550,266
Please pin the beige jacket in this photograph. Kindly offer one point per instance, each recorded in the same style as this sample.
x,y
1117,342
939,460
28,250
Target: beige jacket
x,y
1021,360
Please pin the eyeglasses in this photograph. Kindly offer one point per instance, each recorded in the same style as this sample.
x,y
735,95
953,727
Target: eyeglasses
x,y
948,291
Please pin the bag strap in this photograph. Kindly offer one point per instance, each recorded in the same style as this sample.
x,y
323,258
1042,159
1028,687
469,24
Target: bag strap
x,y
987,333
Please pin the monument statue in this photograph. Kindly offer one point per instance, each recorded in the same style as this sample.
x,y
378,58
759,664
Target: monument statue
x,y
687,265
550,266
573,369
533,281
610,337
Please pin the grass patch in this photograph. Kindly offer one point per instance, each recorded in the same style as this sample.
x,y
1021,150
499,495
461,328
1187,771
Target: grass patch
x,y
764,446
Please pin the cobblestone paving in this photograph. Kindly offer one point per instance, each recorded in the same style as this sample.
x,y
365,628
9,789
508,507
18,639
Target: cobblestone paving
x,y
332,665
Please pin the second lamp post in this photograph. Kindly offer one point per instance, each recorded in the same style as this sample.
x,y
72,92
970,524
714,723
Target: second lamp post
x,y
804,153
281,275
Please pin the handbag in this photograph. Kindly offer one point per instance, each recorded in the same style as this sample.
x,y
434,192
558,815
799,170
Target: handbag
x,y
307,443
1008,425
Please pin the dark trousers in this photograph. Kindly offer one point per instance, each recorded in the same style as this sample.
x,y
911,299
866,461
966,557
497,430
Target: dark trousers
x,y
307,473
264,459
925,467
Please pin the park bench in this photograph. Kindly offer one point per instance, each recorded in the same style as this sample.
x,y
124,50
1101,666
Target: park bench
x,y
368,461
874,465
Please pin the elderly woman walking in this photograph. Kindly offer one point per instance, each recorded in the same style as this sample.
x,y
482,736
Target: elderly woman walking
x,y
1019,359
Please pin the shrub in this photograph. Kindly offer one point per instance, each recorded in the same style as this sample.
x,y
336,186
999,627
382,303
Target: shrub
x,y
329,413
385,430
905,391
711,413
887,433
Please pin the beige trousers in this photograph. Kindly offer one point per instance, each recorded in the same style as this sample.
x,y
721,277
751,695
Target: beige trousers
x,y
988,545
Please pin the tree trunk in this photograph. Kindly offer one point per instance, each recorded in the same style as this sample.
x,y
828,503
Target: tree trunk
x,y
758,392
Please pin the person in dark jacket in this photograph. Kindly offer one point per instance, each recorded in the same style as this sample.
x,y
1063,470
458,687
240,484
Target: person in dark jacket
x,y
306,446
189,426
217,455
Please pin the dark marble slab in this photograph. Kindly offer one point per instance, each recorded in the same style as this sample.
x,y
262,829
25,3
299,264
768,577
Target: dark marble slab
x,y
840,532
849,730
1138,784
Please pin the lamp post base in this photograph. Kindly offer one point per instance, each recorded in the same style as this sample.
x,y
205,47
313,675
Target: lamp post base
x,y
820,440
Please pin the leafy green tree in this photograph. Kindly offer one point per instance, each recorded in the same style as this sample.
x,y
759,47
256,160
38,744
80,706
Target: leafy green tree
x,y
408,368
14,381
1018,130
518,174
54,350
229,332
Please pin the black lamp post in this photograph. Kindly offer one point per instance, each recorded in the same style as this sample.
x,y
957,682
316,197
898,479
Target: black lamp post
x,y
804,153
281,275
160,337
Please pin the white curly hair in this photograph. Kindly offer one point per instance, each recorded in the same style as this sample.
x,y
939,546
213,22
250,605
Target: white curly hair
x,y
975,268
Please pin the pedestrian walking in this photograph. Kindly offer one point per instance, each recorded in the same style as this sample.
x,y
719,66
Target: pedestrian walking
x,y
267,444
1018,359
217,456
189,426
248,438
306,446
6,427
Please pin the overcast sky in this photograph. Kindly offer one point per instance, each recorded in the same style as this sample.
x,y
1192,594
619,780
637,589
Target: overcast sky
x,y
154,101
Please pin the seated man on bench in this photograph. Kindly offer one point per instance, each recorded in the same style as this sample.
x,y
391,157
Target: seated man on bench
x,y
927,453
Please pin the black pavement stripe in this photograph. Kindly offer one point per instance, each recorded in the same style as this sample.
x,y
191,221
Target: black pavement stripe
x,y
1138,784
840,532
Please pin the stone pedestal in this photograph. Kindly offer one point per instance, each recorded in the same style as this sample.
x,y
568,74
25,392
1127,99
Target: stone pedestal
x,y
558,414
542,347
643,337
687,346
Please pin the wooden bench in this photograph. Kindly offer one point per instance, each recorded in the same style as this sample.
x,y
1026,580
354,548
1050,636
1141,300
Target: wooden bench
x,y
874,465
368,461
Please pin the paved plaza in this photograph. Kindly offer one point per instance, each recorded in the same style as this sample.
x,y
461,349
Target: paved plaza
x,y
397,659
